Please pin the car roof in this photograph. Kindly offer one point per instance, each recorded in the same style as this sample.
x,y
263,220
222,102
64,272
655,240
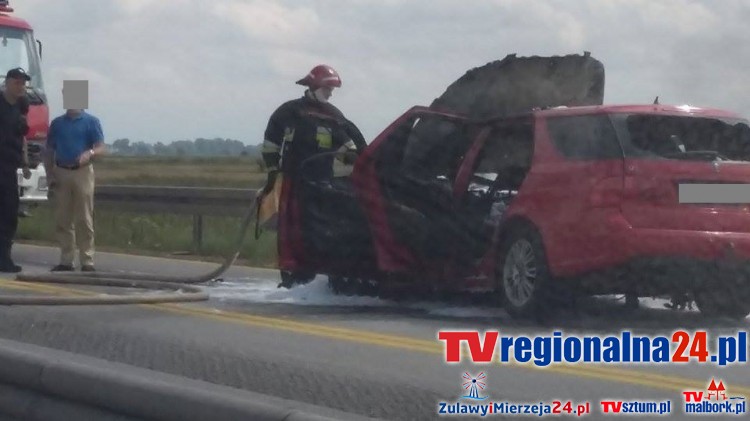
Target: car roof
x,y
656,109
684,110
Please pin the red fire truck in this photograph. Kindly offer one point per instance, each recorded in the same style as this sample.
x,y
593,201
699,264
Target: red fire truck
x,y
18,48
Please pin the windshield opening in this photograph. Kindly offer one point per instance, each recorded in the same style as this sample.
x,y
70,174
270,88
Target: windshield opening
x,y
683,138
17,49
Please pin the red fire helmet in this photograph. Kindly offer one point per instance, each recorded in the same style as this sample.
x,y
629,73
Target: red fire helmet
x,y
319,76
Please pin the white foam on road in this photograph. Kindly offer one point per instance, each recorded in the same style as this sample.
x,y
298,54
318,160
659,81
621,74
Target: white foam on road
x,y
649,302
317,293
265,291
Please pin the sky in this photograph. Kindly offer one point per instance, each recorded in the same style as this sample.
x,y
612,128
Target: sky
x,y
164,70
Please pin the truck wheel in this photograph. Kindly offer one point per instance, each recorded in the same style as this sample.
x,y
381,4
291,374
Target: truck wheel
x,y
523,275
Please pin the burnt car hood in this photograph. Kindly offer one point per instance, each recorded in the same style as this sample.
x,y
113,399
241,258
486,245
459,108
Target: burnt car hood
x,y
510,86
518,84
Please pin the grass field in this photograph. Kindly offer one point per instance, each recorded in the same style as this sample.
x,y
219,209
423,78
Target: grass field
x,y
166,234
239,172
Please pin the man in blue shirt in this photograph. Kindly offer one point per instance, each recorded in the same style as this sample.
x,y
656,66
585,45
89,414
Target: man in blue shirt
x,y
74,139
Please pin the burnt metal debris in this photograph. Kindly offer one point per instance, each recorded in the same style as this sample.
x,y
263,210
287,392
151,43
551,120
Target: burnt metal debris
x,y
518,84
505,87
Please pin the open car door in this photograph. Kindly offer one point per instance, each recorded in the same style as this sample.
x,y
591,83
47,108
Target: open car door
x,y
405,182
405,179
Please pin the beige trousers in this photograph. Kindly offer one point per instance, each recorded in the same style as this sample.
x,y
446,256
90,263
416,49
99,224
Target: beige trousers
x,y
74,214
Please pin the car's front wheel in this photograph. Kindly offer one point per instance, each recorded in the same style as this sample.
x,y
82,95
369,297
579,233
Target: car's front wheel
x,y
523,274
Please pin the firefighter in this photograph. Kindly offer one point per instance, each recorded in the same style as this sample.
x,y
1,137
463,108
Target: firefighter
x,y
297,130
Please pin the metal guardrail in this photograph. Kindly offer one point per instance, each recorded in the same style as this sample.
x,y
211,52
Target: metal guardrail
x,y
196,201
181,200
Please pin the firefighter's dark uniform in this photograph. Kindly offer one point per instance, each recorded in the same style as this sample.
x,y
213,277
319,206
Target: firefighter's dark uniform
x,y
297,130
13,127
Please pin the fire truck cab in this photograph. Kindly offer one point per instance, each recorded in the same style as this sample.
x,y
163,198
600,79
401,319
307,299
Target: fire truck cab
x,y
18,48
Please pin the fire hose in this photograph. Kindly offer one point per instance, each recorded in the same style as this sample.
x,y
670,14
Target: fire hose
x,y
180,288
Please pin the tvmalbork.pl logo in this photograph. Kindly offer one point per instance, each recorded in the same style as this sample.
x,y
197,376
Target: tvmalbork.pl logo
x,y
714,400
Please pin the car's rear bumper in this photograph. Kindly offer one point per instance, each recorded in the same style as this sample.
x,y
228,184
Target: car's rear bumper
x,y
689,244
658,260
665,275
627,243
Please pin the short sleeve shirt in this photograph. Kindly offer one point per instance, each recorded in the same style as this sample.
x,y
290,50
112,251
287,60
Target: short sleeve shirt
x,y
69,136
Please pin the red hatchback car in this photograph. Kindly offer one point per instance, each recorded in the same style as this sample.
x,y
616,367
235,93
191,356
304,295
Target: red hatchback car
x,y
582,199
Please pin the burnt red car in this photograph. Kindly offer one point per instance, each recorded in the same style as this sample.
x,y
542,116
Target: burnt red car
x,y
581,200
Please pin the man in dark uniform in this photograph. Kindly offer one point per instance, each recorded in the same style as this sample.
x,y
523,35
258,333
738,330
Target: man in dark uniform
x,y
296,131
13,128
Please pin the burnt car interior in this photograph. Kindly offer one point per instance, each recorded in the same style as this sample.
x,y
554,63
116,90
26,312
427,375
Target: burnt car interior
x,y
424,156
685,138
417,168
497,175
585,137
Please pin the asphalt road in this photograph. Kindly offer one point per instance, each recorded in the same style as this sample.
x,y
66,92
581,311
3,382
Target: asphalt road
x,y
362,355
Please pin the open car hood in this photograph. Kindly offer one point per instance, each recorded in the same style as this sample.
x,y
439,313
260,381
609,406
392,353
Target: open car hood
x,y
508,86
518,84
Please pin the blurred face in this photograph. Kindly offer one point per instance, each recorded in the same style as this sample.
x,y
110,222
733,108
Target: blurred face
x,y
323,94
16,87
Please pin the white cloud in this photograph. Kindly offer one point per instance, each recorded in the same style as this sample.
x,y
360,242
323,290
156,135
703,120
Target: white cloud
x,y
269,21
81,73
293,64
682,18
165,70
136,7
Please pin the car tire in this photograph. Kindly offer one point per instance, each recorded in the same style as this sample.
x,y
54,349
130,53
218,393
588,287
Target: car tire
x,y
730,298
523,276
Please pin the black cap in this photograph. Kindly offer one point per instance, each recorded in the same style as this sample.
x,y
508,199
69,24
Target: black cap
x,y
17,73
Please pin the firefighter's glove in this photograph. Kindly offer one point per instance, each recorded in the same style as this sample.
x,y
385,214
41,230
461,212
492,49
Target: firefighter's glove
x,y
349,157
270,182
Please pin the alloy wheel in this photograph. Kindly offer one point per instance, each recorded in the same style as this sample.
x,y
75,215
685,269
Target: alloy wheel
x,y
520,273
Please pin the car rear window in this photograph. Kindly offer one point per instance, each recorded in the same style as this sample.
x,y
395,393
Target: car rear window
x,y
683,137
584,137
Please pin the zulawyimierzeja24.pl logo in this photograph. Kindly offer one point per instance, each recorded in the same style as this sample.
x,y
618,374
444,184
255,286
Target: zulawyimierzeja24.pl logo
x,y
474,403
